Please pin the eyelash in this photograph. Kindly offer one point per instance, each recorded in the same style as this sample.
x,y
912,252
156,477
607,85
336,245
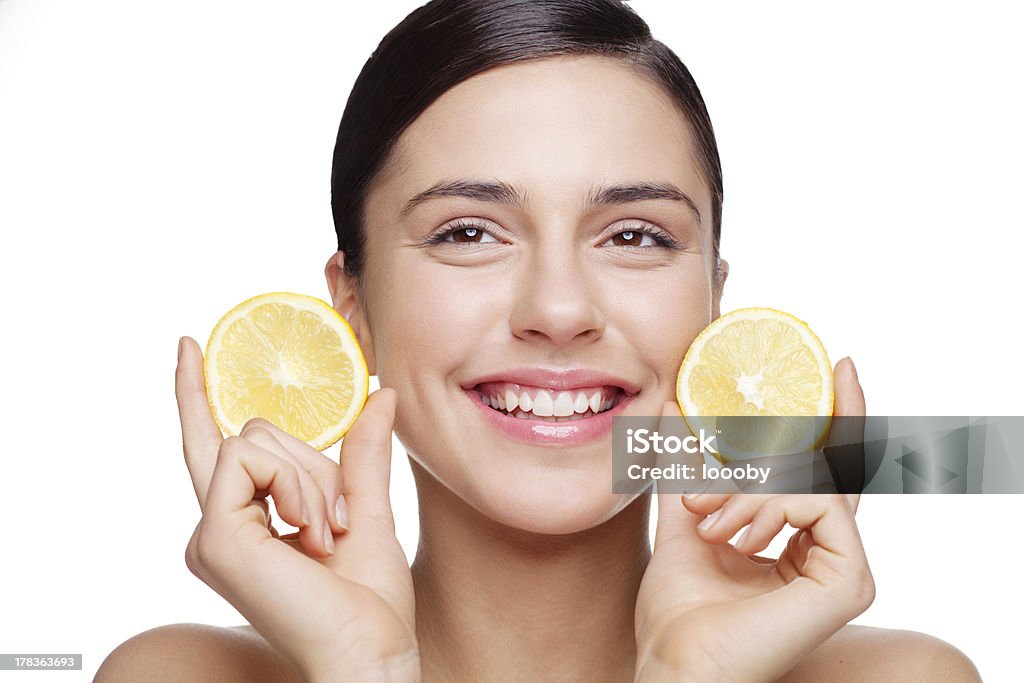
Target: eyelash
x,y
662,238
441,237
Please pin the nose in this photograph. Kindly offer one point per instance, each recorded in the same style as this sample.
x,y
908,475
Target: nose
x,y
555,301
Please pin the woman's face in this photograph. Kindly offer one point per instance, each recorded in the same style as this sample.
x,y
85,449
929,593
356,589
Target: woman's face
x,y
543,232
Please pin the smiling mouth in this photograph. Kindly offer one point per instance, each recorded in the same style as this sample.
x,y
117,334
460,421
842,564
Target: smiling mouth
x,y
535,403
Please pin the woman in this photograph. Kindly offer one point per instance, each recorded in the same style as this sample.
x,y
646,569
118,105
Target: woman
x,y
528,203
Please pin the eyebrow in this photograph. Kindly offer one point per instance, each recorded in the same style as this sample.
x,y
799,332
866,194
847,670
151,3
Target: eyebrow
x,y
496,191
623,194
503,193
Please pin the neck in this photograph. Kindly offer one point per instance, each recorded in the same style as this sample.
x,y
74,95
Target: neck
x,y
494,603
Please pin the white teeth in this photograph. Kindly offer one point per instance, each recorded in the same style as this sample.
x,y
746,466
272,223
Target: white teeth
x,y
563,404
543,406
549,406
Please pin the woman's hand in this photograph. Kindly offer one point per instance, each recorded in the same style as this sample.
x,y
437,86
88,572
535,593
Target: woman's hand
x,y
337,597
707,610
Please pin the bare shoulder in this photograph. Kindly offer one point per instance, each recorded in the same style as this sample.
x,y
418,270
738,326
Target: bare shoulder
x,y
865,653
196,652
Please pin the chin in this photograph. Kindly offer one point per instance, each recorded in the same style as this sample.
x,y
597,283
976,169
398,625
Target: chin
x,y
552,506
540,490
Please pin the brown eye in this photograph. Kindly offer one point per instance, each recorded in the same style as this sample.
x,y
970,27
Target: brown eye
x,y
467,235
463,234
630,238
645,238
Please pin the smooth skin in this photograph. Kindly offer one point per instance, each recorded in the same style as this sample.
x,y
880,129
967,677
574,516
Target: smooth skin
x,y
528,566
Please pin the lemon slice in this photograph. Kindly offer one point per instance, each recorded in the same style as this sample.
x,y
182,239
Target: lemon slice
x,y
290,359
757,362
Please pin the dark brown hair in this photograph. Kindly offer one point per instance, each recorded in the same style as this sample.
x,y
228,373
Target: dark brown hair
x,y
446,42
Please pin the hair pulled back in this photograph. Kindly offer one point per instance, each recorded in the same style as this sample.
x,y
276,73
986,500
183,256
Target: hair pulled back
x,y
446,42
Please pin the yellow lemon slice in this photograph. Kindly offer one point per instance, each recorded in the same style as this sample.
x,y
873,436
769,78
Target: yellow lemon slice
x,y
290,359
757,362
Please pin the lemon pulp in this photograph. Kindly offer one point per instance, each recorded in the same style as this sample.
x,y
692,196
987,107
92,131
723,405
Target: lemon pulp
x,y
757,362
290,359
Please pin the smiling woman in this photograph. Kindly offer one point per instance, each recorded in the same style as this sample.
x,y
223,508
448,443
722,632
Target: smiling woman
x,y
527,197
536,277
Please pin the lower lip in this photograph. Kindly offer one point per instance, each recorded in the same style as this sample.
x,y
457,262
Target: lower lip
x,y
542,433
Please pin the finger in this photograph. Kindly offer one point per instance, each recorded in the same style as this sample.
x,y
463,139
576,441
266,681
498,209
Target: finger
x,y
827,517
316,536
243,469
791,557
324,471
763,528
366,459
673,518
846,437
200,435
262,504
704,504
792,473
735,513
849,393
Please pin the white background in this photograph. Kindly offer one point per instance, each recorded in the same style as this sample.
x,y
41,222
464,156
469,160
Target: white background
x,y
161,162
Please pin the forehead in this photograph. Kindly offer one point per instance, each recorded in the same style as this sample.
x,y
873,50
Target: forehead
x,y
555,128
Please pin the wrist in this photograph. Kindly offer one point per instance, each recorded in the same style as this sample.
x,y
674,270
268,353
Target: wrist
x,y
654,670
677,658
400,668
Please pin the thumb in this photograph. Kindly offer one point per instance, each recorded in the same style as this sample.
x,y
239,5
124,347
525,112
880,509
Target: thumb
x,y
673,519
366,459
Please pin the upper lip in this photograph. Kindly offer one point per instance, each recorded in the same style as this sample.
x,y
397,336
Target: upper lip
x,y
557,378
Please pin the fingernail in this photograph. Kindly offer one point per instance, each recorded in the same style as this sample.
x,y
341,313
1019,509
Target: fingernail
x,y
852,366
710,521
181,346
305,514
328,538
691,496
743,536
341,512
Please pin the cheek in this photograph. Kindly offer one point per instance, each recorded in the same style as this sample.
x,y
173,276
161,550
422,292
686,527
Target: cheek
x,y
428,321
663,322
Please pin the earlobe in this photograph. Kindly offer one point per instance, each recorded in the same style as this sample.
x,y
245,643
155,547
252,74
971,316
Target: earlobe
x,y
345,300
721,273
342,291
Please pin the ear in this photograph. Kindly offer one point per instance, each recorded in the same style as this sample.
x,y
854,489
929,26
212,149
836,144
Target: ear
x,y
717,286
345,299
